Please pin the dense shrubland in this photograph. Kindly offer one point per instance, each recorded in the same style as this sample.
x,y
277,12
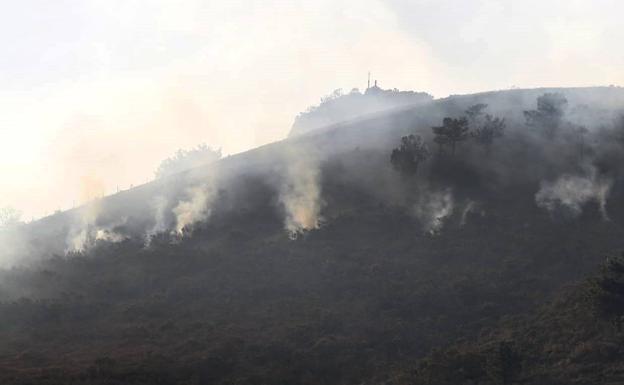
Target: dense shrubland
x,y
425,266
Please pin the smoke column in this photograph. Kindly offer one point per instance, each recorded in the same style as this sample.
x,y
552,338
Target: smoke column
x,y
300,192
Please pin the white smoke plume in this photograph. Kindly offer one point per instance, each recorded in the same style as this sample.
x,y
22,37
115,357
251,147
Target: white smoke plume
x,y
470,207
159,205
300,193
77,240
433,208
16,247
196,208
573,192
83,230
109,235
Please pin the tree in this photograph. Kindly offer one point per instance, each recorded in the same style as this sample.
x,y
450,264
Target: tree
x,y
186,159
409,155
9,217
451,132
475,114
336,94
503,364
492,128
548,116
606,290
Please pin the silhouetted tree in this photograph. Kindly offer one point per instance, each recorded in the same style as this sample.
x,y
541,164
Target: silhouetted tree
x,y
336,94
503,364
409,155
606,291
451,132
491,128
548,116
441,142
187,159
475,114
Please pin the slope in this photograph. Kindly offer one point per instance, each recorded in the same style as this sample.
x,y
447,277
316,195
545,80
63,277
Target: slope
x,y
233,299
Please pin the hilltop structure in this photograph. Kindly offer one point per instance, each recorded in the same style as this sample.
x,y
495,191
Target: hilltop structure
x,y
339,107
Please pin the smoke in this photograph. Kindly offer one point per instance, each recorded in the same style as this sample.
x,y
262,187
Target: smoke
x,y
85,231
353,155
196,208
433,208
83,228
572,192
159,206
78,241
16,247
300,192
468,208
108,235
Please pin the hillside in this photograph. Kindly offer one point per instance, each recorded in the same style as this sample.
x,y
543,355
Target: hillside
x,y
315,261
379,132
576,338
338,107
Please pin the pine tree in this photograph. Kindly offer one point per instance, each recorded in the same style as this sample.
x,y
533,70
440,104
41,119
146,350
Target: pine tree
x,y
409,155
451,132
492,128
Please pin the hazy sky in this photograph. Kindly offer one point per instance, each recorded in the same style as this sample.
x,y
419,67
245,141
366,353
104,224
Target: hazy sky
x,y
96,92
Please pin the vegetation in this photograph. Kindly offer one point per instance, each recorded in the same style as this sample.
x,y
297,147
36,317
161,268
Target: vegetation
x,y
238,301
451,132
475,113
184,160
607,289
412,152
340,107
491,129
574,338
483,128
499,295
548,117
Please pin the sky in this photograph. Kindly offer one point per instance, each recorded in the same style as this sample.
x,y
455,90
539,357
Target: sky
x,y
95,93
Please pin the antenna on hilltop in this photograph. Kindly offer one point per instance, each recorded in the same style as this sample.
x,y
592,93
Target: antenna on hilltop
x,y
368,84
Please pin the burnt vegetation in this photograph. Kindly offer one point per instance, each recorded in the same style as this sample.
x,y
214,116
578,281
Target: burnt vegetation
x,y
412,152
430,267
